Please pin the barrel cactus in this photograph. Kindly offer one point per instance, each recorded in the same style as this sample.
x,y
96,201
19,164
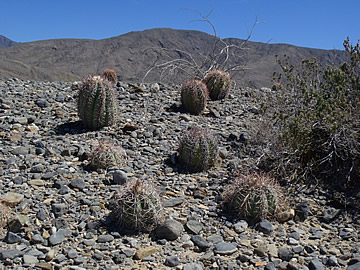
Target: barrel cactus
x,y
254,196
97,104
198,149
106,155
218,83
137,207
110,75
194,96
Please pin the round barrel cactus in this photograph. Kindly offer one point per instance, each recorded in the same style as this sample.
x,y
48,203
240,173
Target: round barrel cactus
x,y
97,104
110,75
137,207
106,155
198,149
194,96
254,196
218,83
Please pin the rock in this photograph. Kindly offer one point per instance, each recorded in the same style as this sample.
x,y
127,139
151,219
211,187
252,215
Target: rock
x,y
193,266
285,254
316,264
22,150
104,238
260,251
200,242
119,177
44,266
12,238
170,230
172,261
215,239
224,248
10,254
38,168
241,226
50,255
28,259
57,237
174,201
302,211
16,223
59,209
265,226
142,253
330,214
78,183
12,198
355,266
194,226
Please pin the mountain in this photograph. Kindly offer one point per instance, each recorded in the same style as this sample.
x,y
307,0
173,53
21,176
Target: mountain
x,y
5,42
134,53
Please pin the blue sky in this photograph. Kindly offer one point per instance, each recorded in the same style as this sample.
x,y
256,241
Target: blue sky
x,y
310,23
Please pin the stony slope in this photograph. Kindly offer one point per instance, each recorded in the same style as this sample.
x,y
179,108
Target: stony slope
x,y
134,53
5,42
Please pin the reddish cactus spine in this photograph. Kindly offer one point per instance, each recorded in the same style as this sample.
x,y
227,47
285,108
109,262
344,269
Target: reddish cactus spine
x,y
194,96
218,83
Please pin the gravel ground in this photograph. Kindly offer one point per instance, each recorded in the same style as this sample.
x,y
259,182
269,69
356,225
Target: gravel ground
x,y
60,207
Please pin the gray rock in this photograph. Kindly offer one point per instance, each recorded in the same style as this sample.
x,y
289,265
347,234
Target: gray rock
x,y
330,214
265,226
194,226
170,230
355,266
22,150
172,261
78,183
260,251
29,259
119,177
241,226
316,264
215,239
174,201
57,237
38,168
72,253
12,238
104,238
270,266
193,266
285,254
10,254
302,211
200,242
224,248
59,209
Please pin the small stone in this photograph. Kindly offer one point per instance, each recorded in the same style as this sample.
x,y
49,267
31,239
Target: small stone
x,y
172,261
119,177
224,248
22,150
50,255
12,238
355,266
129,252
200,242
44,266
12,198
261,251
215,239
302,211
104,238
15,224
194,226
272,250
10,254
298,249
330,214
29,259
170,230
265,226
78,183
37,239
59,209
89,242
316,264
241,226
193,266
285,254
36,182
174,201
72,253
142,253
57,237
270,266
38,168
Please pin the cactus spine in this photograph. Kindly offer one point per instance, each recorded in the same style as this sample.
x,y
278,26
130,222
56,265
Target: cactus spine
x,y
110,75
194,96
198,149
106,155
97,104
218,83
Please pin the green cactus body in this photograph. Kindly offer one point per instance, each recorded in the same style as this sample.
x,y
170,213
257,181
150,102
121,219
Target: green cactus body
x,y
218,83
198,150
97,104
107,155
254,196
137,207
194,96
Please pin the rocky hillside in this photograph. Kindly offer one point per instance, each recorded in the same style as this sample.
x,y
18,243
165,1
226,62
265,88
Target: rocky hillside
x,y
133,54
5,42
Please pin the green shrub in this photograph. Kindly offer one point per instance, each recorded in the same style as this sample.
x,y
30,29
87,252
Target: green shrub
x,y
137,207
254,196
218,83
198,149
317,112
194,95
106,155
97,104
